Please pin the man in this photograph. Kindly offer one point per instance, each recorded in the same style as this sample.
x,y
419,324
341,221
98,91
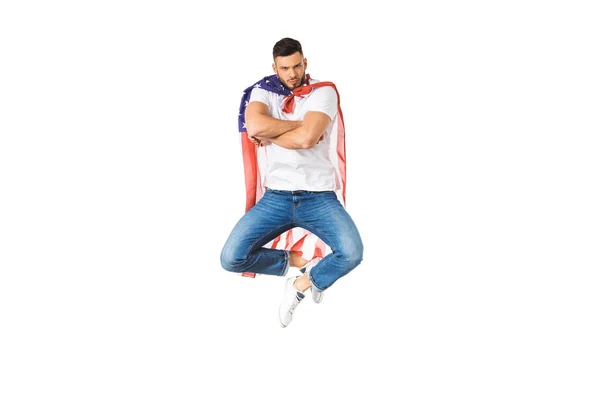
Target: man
x,y
290,117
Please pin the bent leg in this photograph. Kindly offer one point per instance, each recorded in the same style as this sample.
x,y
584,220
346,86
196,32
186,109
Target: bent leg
x,y
243,251
324,216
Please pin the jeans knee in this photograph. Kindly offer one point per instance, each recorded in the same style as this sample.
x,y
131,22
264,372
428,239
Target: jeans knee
x,y
352,255
355,259
230,262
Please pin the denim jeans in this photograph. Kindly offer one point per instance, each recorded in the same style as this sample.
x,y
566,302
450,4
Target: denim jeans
x,y
279,210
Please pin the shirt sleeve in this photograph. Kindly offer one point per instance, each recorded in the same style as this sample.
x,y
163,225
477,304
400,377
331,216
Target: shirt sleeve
x,y
259,94
324,99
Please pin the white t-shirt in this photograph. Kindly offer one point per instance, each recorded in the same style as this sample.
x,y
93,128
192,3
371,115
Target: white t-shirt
x,y
303,169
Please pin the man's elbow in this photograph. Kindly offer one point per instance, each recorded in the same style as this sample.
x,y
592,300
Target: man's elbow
x,y
305,144
310,140
253,129
308,143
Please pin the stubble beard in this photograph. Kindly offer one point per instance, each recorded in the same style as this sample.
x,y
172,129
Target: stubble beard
x,y
302,81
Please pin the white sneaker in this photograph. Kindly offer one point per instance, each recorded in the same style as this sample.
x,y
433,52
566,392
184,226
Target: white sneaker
x,y
291,298
316,295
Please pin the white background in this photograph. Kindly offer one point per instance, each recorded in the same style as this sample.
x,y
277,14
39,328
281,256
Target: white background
x,y
473,176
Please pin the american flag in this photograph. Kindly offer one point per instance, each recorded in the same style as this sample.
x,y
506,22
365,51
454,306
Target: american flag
x,y
297,239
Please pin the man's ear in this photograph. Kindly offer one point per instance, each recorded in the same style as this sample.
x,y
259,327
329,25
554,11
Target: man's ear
x,y
274,68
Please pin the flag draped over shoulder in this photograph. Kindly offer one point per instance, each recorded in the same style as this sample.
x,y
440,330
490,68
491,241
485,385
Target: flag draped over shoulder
x,y
296,239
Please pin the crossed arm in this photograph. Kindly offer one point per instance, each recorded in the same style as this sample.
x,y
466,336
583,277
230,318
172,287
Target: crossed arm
x,y
288,134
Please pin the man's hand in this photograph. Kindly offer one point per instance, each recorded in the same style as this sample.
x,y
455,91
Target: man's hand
x,y
254,140
257,141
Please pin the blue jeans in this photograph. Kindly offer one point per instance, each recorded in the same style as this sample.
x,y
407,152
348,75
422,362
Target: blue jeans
x,y
279,210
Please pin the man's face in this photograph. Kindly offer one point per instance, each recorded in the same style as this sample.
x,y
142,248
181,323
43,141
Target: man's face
x,y
290,70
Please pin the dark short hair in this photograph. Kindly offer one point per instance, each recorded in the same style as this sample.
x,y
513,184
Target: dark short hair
x,y
286,47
